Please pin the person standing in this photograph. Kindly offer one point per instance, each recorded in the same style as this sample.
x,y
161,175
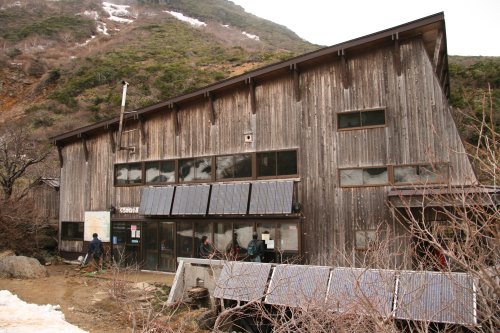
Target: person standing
x,y
255,249
205,251
96,251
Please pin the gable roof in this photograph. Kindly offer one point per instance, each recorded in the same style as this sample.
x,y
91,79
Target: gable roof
x,y
431,29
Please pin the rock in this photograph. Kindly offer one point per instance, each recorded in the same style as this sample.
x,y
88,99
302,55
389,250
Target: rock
x,y
22,267
7,253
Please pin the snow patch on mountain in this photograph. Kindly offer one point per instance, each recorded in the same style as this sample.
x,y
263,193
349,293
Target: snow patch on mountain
x,y
102,28
254,37
118,13
181,17
92,14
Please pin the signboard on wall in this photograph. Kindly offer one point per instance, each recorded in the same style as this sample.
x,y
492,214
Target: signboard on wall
x,y
97,222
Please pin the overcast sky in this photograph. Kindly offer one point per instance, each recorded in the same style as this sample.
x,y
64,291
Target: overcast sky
x,y
472,27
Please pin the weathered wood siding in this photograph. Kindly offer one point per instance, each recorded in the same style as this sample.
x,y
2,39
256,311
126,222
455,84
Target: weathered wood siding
x,y
419,129
46,201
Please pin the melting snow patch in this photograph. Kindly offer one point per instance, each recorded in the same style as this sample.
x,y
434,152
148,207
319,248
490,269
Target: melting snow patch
x,y
102,28
194,22
92,14
254,37
21,317
225,25
86,42
117,12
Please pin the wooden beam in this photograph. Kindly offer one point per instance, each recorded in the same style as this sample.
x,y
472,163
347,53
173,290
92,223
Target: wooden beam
x,y
142,120
85,148
296,81
396,55
111,135
251,91
211,107
59,153
437,49
344,69
175,111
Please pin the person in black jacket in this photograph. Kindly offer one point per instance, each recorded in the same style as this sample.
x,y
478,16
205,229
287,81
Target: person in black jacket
x,y
96,251
205,251
255,249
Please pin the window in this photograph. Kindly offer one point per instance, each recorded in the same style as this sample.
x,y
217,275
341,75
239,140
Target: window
x,y
234,166
193,169
364,177
289,237
160,172
72,230
357,119
422,174
365,239
126,174
280,163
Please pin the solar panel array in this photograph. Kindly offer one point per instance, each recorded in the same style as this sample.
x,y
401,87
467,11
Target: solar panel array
x,y
191,200
229,199
242,281
362,291
273,197
298,285
436,297
156,200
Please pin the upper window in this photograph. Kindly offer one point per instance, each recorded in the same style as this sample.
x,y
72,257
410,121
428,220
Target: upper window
x,y
130,173
234,166
160,172
421,174
277,163
364,177
193,169
72,230
357,119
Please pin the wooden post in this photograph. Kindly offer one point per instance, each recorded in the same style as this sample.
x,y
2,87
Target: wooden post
x,y
211,107
344,68
59,153
111,136
296,81
142,129
175,110
85,148
251,90
396,55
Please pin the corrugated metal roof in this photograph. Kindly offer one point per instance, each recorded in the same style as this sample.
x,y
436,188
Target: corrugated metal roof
x,y
271,197
191,200
298,285
156,200
361,291
436,297
229,199
243,281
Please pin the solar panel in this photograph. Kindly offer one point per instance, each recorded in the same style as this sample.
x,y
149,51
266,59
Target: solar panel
x,y
361,291
271,197
143,207
229,199
243,281
298,286
436,297
156,200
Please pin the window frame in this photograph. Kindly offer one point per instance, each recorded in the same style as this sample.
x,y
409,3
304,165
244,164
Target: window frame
x,y
222,180
145,182
212,159
276,176
141,164
66,238
387,167
361,126
446,179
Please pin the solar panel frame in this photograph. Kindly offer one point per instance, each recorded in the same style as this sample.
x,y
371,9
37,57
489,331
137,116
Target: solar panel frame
x,y
362,291
144,201
242,281
298,286
436,297
288,197
166,202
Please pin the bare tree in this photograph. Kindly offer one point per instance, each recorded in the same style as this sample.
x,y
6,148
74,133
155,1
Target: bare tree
x,y
19,152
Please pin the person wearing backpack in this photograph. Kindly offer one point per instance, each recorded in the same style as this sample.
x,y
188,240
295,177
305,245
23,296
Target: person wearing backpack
x,y
96,251
255,249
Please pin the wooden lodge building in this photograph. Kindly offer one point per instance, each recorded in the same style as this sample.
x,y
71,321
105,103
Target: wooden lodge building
x,y
303,152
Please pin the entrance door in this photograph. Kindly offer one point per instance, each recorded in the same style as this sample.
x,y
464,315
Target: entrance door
x,y
150,245
167,246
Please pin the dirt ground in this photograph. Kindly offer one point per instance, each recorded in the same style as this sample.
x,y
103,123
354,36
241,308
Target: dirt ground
x,y
84,298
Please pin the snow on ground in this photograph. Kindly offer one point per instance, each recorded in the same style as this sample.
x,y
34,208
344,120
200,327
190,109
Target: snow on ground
x,y
92,14
254,37
102,28
117,12
194,22
225,25
17,316
86,42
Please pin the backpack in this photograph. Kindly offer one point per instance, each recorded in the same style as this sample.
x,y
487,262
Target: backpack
x,y
252,248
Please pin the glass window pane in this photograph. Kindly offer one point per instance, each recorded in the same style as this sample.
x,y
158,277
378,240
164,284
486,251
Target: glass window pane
x,y
167,171
348,120
289,237
152,172
244,232
267,233
375,176
121,174
184,239
287,162
433,173
365,239
405,174
167,237
222,236
242,166
203,168
201,229
266,164
225,167
186,170
135,173
373,118
350,177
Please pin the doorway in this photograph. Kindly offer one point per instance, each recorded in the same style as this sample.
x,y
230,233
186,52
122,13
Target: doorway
x,y
159,246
